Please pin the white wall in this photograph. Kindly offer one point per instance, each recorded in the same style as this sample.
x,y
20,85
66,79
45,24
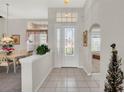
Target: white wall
x,y
18,27
111,16
90,17
2,24
35,70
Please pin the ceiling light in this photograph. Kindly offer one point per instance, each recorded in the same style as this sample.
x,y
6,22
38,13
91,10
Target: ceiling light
x,y
6,37
66,1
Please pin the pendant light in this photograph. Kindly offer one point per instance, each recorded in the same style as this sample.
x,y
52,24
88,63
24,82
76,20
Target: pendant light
x,y
6,37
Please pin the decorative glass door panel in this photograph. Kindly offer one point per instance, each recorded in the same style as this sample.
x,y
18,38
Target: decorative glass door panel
x,y
69,41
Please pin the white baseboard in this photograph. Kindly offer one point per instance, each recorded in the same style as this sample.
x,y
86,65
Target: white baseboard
x,y
89,74
40,84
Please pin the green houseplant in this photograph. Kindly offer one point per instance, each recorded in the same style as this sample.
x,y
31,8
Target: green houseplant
x,y
43,49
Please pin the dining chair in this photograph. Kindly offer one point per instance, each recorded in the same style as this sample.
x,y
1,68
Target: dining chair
x,y
4,62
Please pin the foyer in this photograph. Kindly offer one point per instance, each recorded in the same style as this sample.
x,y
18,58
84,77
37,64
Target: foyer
x,y
58,45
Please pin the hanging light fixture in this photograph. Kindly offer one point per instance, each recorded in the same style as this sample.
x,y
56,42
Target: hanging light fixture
x,y
66,2
6,37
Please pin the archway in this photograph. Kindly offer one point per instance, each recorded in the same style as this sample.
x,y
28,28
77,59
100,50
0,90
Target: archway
x,y
95,47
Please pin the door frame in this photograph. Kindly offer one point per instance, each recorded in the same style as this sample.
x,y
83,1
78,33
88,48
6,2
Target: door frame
x,y
60,63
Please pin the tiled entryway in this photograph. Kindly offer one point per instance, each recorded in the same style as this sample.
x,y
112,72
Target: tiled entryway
x,y
69,80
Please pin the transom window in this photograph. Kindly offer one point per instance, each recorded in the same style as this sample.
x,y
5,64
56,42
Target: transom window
x,y
66,17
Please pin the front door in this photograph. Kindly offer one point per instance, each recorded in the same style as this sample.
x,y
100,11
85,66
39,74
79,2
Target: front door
x,y
67,47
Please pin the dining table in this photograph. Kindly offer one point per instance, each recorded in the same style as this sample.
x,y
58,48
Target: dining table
x,y
15,55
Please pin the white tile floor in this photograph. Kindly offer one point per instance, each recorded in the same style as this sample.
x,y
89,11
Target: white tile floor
x,y
69,80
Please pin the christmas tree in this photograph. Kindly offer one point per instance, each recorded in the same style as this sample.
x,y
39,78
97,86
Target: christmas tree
x,y
115,75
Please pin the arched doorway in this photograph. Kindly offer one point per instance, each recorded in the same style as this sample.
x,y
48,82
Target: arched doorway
x,y
95,47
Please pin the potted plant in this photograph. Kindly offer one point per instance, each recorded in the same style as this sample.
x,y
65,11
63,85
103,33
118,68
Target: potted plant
x,y
42,49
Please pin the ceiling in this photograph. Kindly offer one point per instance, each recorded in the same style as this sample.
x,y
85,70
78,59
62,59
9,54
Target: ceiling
x,y
34,8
